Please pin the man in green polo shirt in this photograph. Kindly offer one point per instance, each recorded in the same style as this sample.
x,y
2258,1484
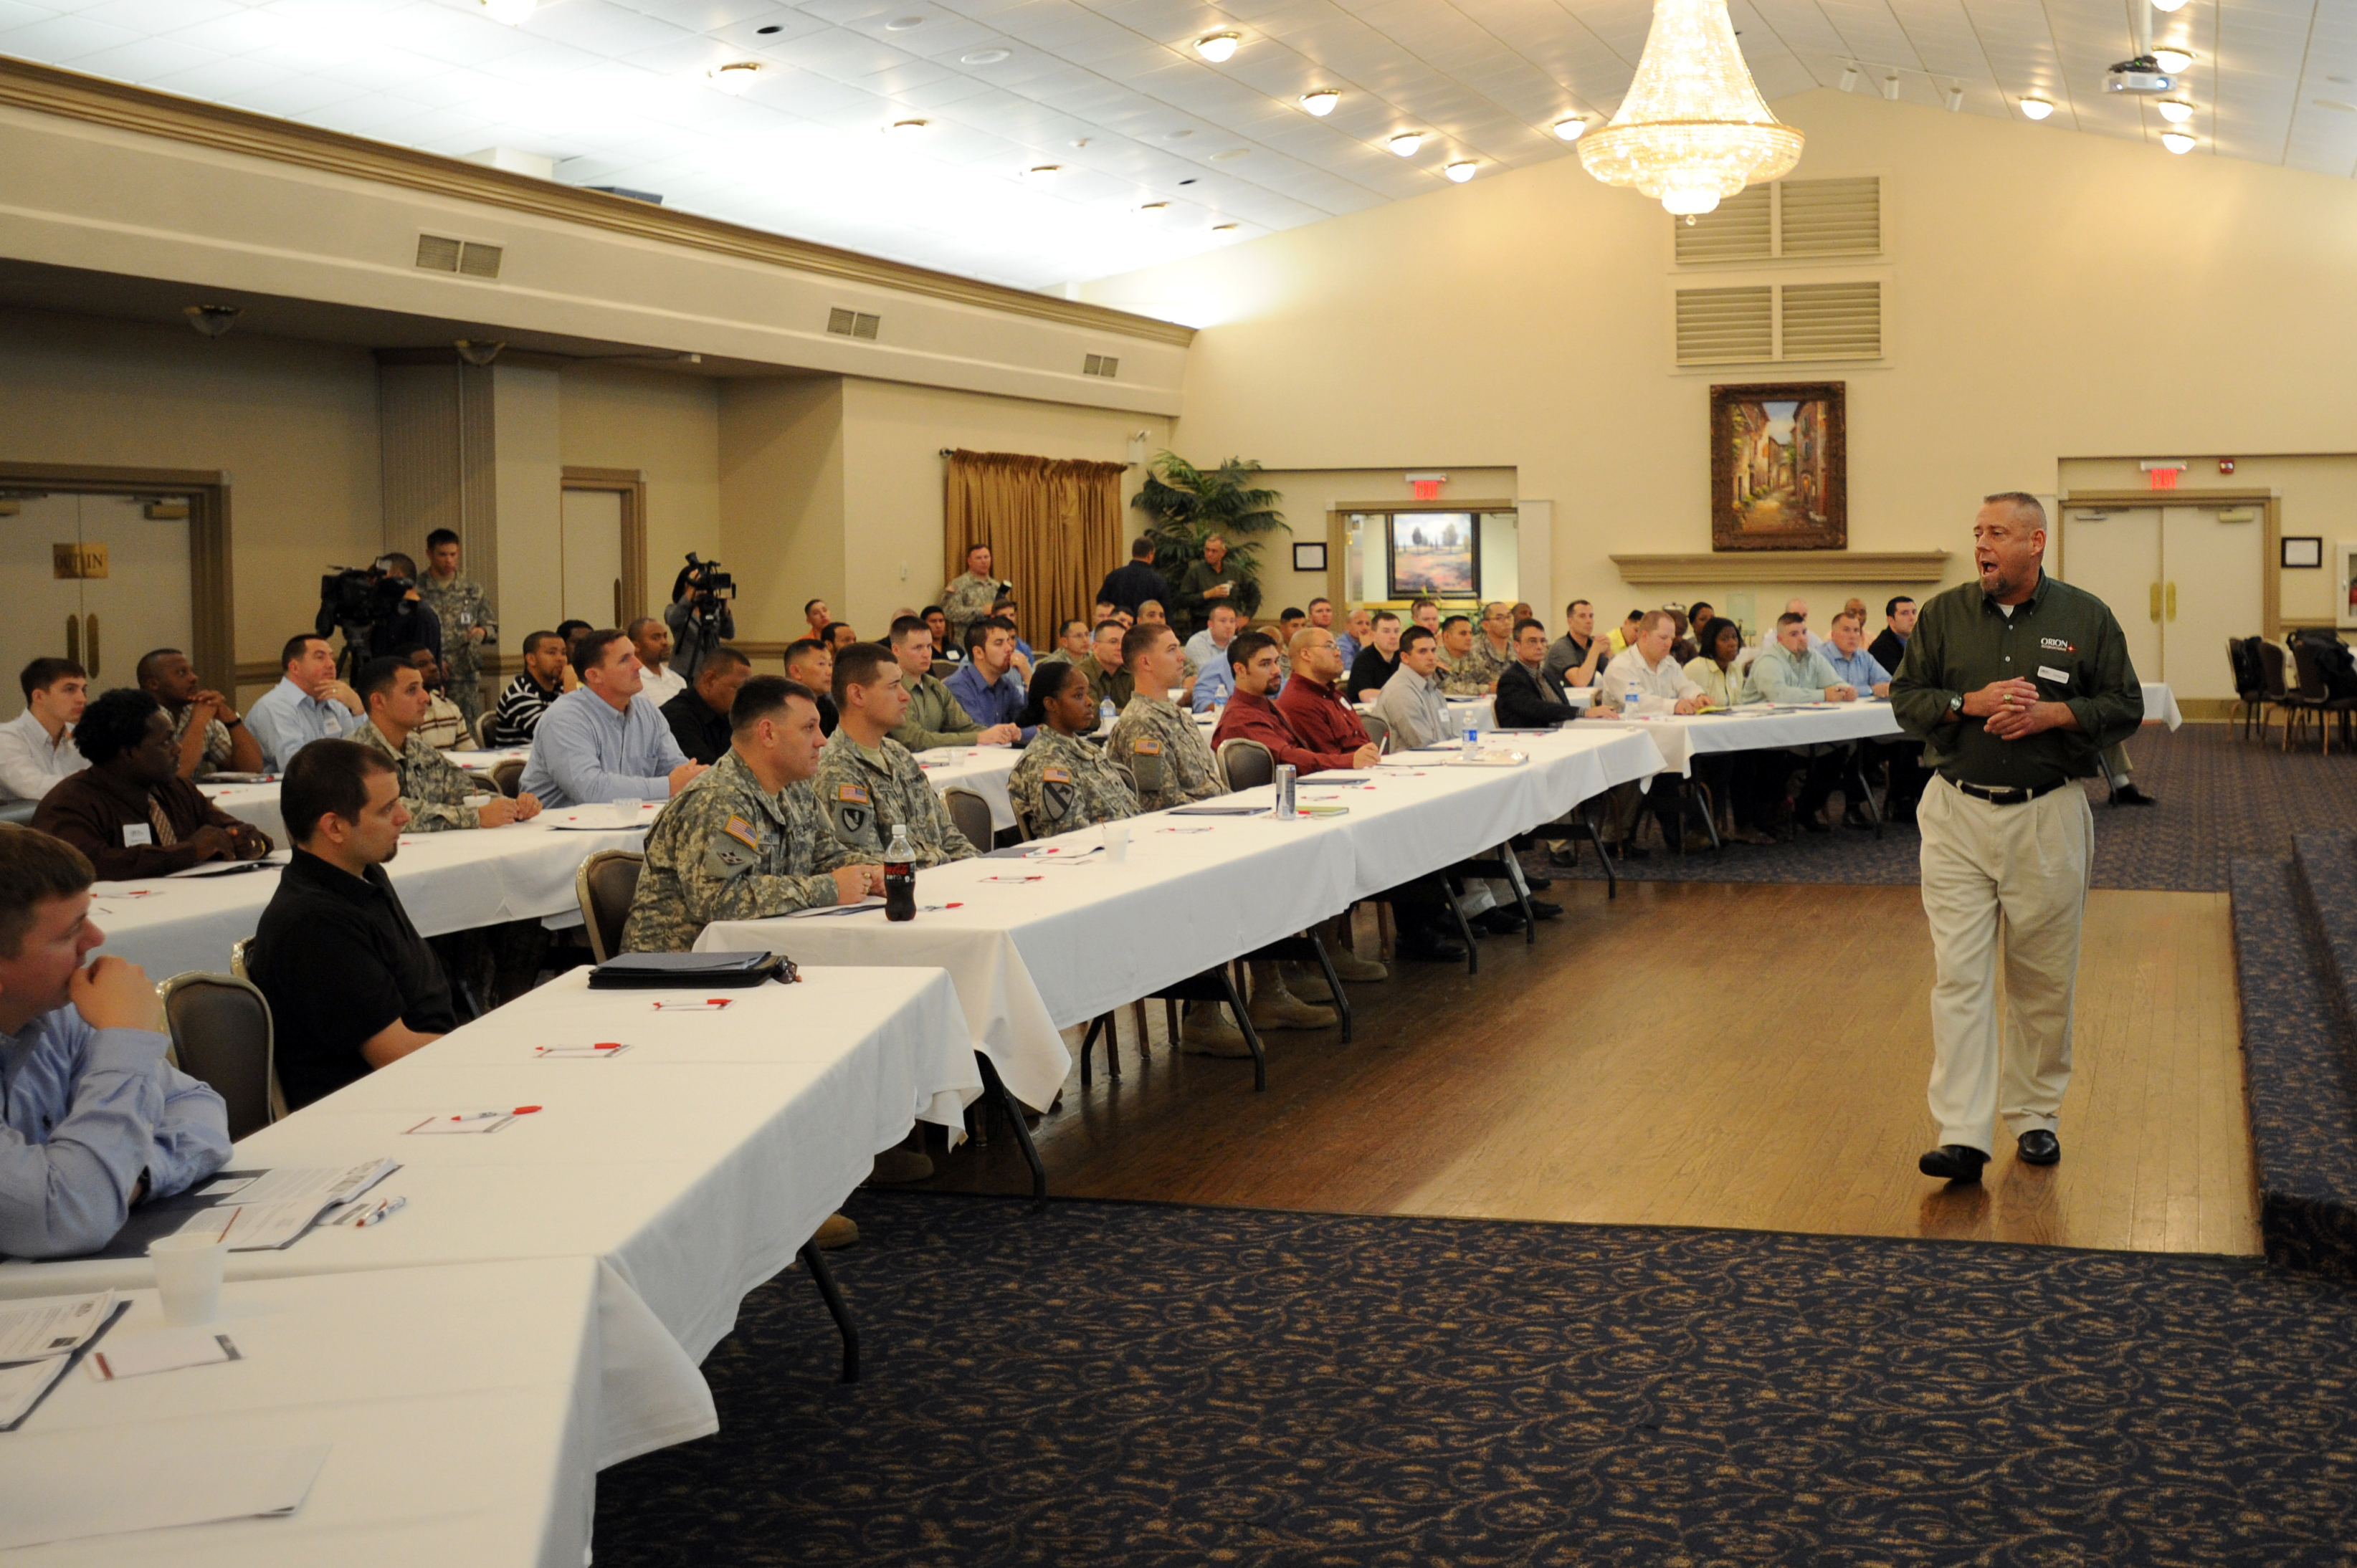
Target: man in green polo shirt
x,y
2015,683
1213,580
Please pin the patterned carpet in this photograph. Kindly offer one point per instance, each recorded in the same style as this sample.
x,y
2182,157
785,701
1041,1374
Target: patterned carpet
x,y
1147,1387
2220,797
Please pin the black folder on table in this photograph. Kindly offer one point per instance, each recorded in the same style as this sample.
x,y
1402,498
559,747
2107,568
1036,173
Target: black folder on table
x,y
674,970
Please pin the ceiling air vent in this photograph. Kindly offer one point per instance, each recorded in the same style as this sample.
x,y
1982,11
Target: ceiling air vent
x,y
440,254
852,323
1105,365
1833,321
1832,217
1725,326
1739,229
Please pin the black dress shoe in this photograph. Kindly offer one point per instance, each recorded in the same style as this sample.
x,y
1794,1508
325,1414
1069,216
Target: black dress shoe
x,y
1499,922
1546,909
1427,947
1537,884
2129,795
1562,855
1952,1162
2040,1147
1629,851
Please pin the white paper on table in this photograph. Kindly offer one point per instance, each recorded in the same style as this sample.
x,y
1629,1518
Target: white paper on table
x,y
598,819
281,1204
164,1350
51,1325
464,1122
69,1490
21,1386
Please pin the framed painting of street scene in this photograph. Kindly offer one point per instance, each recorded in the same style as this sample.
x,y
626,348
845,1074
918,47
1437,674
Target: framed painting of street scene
x,y
1779,466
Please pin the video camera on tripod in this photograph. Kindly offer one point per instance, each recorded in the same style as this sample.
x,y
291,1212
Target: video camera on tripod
x,y
707,586
354,599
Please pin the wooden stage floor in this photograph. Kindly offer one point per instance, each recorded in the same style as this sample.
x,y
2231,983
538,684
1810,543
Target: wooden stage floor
x,y
1713,1053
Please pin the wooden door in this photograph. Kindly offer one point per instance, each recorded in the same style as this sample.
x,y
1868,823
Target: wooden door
x,y
142,601
2114,553
593,556
2211,589
44,618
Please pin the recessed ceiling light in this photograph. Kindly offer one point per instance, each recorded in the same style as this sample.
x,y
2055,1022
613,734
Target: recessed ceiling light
x,y
2176,110
907,127
1231,155
1570,130
1043,171
1188,180
514,13
2171,59
1406,143
772,27
1228,230
736,76
1176,135
1463,170
2342,81
986,57
1153,208
2166,5
2036,108
2333,103
1321,103
1217,48
902,24
2179,141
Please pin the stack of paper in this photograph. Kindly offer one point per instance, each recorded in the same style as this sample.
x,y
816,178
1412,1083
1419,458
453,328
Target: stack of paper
x,y
39,1339
274,1207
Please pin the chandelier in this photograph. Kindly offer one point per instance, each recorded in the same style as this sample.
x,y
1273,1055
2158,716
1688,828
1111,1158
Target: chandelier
x,y
1693,128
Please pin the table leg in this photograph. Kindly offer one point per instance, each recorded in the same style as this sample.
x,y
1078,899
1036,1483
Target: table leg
x,y
996,1086
815,1262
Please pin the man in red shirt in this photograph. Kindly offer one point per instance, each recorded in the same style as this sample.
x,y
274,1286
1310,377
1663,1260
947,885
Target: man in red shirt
x,y
1251,715
1320,719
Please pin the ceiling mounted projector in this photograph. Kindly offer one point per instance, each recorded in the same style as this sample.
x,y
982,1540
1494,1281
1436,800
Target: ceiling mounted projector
x,y
2142,74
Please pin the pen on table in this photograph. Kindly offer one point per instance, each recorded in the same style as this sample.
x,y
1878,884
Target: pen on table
x,y
380,1213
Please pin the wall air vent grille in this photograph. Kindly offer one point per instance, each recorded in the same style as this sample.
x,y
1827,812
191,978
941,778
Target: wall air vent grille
x,y
852,323
1725,326
479,261
1739,229
1832,321
438,254
1105,365
1831,216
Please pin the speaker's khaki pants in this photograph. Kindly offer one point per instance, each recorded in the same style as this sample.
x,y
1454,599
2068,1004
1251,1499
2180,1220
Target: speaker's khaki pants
x,y
2019,873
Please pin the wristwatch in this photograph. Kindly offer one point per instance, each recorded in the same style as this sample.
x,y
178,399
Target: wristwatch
x,y
231,722
1956,704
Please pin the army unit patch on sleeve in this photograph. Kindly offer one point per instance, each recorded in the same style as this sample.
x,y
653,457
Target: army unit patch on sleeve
x,y
740,830
726,856
851,814
1055,792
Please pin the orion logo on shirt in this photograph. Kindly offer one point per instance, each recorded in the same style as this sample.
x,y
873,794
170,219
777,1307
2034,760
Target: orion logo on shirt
x,y
2056,644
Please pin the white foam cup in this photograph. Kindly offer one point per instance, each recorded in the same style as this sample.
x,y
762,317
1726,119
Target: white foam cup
x,y
188,1276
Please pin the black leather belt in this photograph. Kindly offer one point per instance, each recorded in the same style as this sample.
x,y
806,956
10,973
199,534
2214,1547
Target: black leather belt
x,y
2015,795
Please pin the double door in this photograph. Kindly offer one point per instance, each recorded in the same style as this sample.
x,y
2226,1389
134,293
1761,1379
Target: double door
x,y
99,579
2179,580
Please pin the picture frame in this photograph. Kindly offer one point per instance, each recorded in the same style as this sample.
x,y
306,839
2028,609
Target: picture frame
x,y
1431,554
1780,466
1310,557
2302,553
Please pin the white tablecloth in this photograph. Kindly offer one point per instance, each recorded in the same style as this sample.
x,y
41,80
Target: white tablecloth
x,y
2160,704
981,768
254,804
460,1405
694,1165
448,881
1084,936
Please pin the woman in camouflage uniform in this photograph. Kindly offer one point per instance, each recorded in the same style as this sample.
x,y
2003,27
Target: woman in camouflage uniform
x,y
1064,781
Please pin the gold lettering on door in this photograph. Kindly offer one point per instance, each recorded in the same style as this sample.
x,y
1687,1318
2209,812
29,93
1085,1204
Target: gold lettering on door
x,y
76,561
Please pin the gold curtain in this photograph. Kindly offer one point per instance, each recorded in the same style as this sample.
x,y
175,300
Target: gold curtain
x,y
1053,525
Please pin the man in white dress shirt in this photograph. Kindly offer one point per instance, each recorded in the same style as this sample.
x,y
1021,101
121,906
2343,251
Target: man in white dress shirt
x,y
1643,677
651,639
37,747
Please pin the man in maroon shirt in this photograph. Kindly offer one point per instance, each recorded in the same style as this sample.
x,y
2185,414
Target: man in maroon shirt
x,y
1251,715
1319,716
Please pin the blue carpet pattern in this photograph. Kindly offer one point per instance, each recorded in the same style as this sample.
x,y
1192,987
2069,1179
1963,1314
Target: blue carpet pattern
x,y
1139,1385
2220,797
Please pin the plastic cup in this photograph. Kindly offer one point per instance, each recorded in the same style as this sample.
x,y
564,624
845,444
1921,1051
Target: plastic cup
x,y
624,806
1116,841
188,1276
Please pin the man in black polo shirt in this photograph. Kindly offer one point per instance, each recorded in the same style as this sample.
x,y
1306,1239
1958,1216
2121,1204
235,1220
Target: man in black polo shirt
x,y
699,716
351,984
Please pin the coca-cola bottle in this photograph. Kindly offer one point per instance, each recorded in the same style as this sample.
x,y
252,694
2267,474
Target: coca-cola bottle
x,y
900,876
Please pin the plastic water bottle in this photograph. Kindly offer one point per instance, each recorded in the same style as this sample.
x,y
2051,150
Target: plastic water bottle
x,y
900,876
1284,777
1105,714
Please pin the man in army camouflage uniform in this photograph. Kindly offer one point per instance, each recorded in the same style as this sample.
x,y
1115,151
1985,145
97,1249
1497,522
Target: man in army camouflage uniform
x,y
468,624
1493,644
867,783
1458,673
744,841
437,795
968,598
1064,780
1155,739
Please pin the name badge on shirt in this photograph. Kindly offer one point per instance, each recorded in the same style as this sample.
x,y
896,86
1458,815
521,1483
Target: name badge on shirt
x,y
2060,677
137,834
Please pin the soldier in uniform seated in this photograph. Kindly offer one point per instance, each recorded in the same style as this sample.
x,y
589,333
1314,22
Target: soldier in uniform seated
x,y
867,783
1155,739
1064,781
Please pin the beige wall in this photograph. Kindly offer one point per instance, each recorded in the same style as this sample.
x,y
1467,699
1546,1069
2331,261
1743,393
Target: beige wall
x,y
295,425
2048,295
780,498
667,427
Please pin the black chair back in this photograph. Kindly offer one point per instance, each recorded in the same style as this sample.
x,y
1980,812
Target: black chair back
x,y
604,887
969,814
221,1034
1245,763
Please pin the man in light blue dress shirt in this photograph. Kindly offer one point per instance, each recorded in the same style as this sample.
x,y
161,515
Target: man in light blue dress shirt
x,y
605,741
986,685
1216,682
1788,671
1846,651
93,1121
1209,647
308,704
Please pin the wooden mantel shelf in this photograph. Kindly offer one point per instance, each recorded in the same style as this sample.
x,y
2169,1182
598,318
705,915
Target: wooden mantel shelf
x,y
1786,566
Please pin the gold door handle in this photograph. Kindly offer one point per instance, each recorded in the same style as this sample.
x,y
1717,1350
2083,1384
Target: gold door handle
x,y
73,638
2172,601
2156,601
92,641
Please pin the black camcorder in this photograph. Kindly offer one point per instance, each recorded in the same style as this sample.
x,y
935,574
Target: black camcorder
x,y
706,582
361,596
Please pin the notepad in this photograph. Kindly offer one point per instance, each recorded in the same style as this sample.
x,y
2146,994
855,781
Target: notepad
x,y
1218,810
164,1350
113,1482
52,1326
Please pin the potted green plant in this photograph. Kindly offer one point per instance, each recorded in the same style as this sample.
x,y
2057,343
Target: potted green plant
x,y
1186,505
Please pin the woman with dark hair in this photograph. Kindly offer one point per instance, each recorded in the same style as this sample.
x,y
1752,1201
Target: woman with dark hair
x,y
1736,778
1063,780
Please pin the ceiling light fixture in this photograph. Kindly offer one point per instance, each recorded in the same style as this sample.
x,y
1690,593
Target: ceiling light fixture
x,y
1153,208
1570,130
1463,170
1890,86
212,321
736,76
1043,171
1848,77
1955,99
1693,129
1320,102
2170,60
986,57
1227,231
2176,110
2178,140
512,13
1217,48
1406,143
2036,108
903,24
907,127
2165,6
